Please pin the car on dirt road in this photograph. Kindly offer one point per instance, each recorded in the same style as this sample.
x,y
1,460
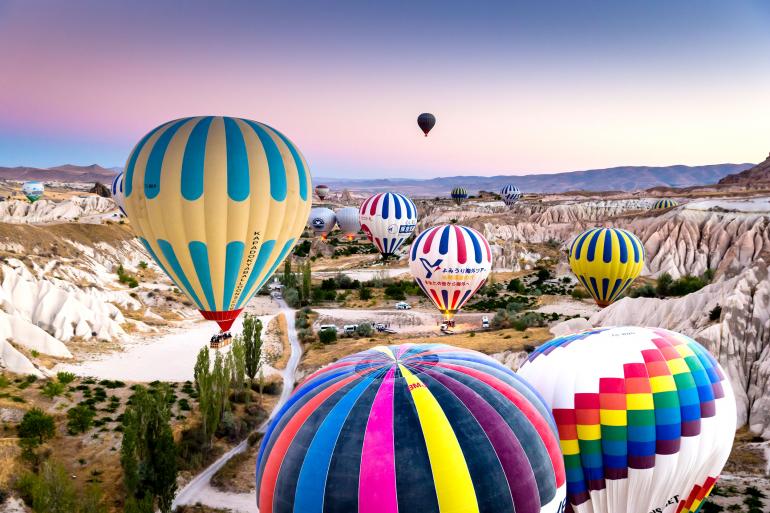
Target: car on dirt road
x,y
403,305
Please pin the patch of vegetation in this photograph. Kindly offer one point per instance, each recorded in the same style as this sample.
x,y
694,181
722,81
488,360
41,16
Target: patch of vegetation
x,y
52,389
65,377
517,303
327,336
80,418
716,313
125,278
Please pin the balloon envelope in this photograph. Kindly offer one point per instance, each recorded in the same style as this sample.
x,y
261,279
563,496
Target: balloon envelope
x,y
646,417
322,191
322,221
606,261
450,263
218,202
388,219
117,193
459,194
347,219
411,428
33,190
510,194
426,121
664,203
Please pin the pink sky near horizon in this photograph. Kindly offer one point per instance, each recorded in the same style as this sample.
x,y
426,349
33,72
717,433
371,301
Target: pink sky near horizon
x,y
351,107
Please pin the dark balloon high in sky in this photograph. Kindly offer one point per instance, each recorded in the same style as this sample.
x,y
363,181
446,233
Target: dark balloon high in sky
x,y
517,86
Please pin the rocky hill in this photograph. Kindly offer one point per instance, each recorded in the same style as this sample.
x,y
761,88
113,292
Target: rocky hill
x,y
46,211
625,178
66,173
758,175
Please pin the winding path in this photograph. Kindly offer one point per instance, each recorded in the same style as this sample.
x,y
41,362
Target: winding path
x,y
199,490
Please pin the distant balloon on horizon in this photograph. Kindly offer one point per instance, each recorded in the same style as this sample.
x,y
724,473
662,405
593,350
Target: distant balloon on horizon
x,y
426,121
322,191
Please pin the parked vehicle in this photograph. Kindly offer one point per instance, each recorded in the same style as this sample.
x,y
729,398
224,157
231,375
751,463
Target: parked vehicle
x,y
485,322
329,327
350,328
403,305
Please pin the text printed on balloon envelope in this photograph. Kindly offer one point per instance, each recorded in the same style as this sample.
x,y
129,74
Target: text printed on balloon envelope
x,y
250,257
673,500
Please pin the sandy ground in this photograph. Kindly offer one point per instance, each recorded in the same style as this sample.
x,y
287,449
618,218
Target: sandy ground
x,y
752,205
169,357
567,306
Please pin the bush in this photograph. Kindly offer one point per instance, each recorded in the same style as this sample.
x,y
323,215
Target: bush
x,y
394,291
686,284
664,283
291,296
327,336
517,286
716,313
364,330
52,389
579,293
80,419
365,293
65,377
125,278
646,290
306,336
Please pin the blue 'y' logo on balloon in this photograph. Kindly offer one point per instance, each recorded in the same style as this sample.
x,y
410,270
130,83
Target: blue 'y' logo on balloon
x,y
431,268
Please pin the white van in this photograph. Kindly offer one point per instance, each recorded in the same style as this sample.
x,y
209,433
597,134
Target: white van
x,y
485,322
350,328
328,327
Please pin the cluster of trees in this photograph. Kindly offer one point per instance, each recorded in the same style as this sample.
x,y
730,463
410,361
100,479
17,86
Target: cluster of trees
x,y
297,286
666,286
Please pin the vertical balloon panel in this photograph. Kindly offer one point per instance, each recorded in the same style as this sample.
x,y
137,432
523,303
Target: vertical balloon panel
x,y
218,202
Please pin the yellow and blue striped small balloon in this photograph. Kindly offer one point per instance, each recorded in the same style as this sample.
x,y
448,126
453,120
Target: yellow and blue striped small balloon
x,y
218,202
664,203
606,261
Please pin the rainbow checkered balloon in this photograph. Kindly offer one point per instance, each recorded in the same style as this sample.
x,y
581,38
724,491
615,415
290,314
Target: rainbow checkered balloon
x,y
646,418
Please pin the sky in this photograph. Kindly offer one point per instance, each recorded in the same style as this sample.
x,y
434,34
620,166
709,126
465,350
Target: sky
x,y
516,86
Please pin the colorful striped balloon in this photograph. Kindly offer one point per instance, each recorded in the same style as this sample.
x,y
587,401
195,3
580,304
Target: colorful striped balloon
x,y
510,194
606,261
664,203
218,202
117,193
33,190
459,194
411,429
646,417
450,263
388,219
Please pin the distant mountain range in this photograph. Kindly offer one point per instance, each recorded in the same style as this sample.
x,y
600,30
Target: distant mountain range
x,y
626,178
66,173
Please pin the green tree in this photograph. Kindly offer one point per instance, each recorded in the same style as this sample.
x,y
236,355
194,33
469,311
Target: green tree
x,y
92,500
148,452
213,385
252,341
37,426
238,364
53,491
664,284
80,418
306,279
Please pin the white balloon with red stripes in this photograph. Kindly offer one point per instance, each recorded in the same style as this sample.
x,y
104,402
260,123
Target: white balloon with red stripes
x,y
450,263
388,219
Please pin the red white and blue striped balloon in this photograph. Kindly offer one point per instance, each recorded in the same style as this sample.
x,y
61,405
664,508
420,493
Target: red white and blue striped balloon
x,y
388,219
450,263
510,194
117,194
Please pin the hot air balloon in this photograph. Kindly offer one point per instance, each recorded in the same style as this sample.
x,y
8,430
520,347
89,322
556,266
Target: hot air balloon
x,y
117,193
664,203
510,194
411,428
426,121
459,194
646,417
347,220
606,261
322,191
322,221
450,263
218,202
388,219
33,190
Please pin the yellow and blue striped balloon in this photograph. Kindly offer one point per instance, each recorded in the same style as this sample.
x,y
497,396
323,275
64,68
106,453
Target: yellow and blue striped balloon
x,y
606,261
664,203
218,202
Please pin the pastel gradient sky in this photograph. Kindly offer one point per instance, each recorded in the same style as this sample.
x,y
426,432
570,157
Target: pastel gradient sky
x,y
516,86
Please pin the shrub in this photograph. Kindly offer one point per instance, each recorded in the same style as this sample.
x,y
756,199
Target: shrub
x,y
80,419
52,389
394,291
65,377
327,336
664,283
365,293
579,293
686,284
291,296
306,336
364,329
142,265
716,313
646,290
